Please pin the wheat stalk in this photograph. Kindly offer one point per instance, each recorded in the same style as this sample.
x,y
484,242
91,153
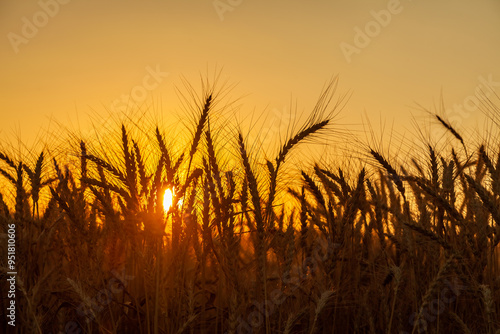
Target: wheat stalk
x,y
395,177
433,286
452,130
321,305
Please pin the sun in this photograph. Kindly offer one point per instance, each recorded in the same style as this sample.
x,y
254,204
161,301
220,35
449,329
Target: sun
x,y
168,199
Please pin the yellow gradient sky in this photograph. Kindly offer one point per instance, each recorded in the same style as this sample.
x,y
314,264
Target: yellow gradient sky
x,y
65,60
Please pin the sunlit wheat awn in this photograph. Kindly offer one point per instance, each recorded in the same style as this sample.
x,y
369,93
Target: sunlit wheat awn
x,y
255,231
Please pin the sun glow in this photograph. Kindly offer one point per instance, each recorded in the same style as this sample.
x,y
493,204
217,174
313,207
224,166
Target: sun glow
x,y
168,199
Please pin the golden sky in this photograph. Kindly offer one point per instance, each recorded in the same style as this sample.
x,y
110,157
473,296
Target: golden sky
x,y
65,60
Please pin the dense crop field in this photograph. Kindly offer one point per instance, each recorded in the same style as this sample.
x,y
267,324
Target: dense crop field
x,y
155,236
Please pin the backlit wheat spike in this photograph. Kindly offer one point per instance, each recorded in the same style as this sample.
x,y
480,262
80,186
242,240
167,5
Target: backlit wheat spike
x,y
118,190
488,305
143,177
107,206
303,223
486,197
448,180
314,190
433,287
200,126
395,177
8,160
130,170
434,168
83,297
83,159
187,324
231,184
418,167
320,306
285,149
126,151
197,135
213,195
452,130
291,320
290,245
396,271
36,180
460,322
177,164
431,235
243,203
214,166
163,147
252,184
340,179
261,251
331,188
107,166
155,187
20,193
354,203
4,209
195,174
105,189
493,170
8,176
486,159
439,199
298,138
496,177
30,304
378,213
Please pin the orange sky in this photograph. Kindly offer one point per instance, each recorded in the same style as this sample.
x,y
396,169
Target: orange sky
x,y
65,60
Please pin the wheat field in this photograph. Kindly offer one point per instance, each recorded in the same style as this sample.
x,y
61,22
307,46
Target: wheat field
x,y
155,236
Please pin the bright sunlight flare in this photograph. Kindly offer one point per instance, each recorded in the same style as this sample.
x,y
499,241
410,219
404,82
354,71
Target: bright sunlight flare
x,y
168,199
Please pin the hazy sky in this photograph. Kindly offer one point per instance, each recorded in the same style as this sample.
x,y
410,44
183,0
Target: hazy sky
x,y
64,60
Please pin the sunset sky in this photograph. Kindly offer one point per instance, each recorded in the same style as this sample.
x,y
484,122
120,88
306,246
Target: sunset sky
x,y
66,61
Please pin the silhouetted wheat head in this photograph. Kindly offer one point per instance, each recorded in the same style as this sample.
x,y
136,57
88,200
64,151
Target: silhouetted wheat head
x,y
385,247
